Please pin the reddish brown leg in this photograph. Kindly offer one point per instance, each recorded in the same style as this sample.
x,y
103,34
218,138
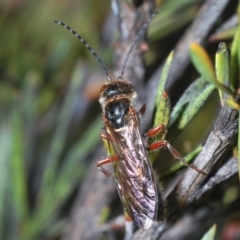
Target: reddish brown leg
x,y
106,161
103,135
111,159
164,143
156,130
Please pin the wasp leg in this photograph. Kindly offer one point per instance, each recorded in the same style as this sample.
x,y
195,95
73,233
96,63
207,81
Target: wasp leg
x,y
103,135
142,110
106,161
156,130
164,143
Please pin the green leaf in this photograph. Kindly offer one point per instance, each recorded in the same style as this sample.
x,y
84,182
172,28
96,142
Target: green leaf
x,y
162,103
188,96
74,159
6,136
234,60
203,64
59,136
232,103
188,105
162,99
210,234
223,35
19,178
239,146
68,175
167,22
222,67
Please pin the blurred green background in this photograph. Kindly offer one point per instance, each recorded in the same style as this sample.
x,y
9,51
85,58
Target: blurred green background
x,y
43,71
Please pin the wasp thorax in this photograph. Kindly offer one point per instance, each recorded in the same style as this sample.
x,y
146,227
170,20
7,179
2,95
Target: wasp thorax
x,y
115,99
115,112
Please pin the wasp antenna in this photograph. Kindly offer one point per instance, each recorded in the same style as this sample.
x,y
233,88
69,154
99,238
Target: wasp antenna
x,y
136,40
87,46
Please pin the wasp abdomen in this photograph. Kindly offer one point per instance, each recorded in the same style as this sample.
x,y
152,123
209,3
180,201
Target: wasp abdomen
x,y
115,112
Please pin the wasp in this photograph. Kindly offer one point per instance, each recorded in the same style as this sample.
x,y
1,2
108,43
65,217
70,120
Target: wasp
x,y
135,182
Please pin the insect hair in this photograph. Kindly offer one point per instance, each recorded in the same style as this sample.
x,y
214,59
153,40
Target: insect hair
x,y
95,54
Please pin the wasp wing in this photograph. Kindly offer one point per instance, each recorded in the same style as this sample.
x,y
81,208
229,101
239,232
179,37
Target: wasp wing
x,y
134,175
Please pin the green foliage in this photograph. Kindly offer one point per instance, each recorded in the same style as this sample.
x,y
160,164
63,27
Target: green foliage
x,y
222,67
162,101
44,141
174,15
42,159
225,77
184,111
189,104
210,234
203,64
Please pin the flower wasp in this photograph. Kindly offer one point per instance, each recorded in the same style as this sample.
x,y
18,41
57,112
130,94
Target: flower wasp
x,y
133,172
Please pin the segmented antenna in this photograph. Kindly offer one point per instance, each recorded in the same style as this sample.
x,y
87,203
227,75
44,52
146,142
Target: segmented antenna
x,y
136,40
87,46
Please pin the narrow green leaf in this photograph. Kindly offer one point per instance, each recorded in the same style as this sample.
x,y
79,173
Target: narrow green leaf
x,y
239,146
203,64
5,176
29,109
18,174
162,99
77,154
238,55
210,234
162,115
163,78
58,140
224,35
222,67
162,104
189,104
167,22
68,175
193,108
188,96
234,60
173,15
46,196
232,103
